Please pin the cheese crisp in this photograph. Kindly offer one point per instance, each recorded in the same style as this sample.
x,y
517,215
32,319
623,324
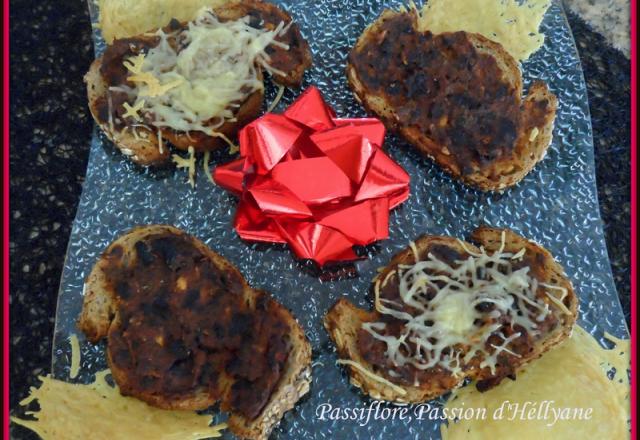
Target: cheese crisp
x,y
571,378
127,18
97,411
512,23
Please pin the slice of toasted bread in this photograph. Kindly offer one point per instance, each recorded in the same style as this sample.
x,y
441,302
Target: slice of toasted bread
x,y
109,311
344,322
456,97
142,143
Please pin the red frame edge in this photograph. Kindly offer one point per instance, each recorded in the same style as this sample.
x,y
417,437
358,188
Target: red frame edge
x,y
5,216
634,218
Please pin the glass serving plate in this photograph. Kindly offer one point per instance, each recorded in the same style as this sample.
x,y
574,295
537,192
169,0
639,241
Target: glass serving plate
x,y
556,205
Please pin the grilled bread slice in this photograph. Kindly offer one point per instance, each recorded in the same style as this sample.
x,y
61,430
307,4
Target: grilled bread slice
x,y
144,143
456,97
454,318
185,330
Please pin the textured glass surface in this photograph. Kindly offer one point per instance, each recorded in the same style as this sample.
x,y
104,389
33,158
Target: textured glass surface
x,y
555,205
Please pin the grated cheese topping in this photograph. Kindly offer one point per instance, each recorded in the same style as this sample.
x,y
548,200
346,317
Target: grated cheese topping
x,y
449,330
372,375
277,99
515,24
132,112
196,78
189,163
206,168
75,356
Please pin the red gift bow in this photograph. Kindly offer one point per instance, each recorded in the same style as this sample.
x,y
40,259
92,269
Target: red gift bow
x,y
320,183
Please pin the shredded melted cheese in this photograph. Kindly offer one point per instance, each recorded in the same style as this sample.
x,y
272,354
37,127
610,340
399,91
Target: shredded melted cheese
x,y
75,356
99,412
128,18
512,23
189,163
372,375
199,86
277,99
571,375
233,148
132,111
205,166
443,330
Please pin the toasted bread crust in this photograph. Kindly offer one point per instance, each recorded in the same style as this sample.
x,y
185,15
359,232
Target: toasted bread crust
x,y
141,150
100,317
143,147
537,112
344,320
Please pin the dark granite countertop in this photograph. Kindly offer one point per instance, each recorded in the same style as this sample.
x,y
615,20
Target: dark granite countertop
x,y
50,133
